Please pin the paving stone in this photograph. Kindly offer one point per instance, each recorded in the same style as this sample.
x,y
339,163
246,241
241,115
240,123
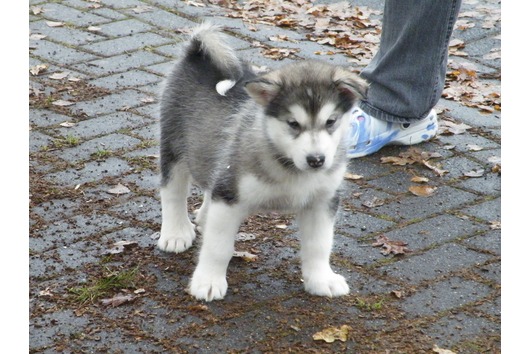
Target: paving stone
x,y
86,150
120,63
56,209
452,329
444,199
173,50
106,124
491,272
488,211
133,78
470,115
162,69
490,241
124,28
92,172
44,329
65,232
38,141
56,53
359,224
125,99
66,35
489,184
441,260
126,44
59,12
46,118
122,4
140,208
165,19
445,295
437,230
109,13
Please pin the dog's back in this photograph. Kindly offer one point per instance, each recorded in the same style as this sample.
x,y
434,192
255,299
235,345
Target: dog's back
x,y
195,117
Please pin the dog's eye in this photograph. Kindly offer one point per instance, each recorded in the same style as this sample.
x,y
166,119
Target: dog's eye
x,y
330,122
294,125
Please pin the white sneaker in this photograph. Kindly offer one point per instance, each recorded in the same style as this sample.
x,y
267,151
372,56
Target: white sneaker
x,y
369,134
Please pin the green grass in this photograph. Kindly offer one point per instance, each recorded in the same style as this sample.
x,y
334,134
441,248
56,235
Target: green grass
x,y
368,306
111,280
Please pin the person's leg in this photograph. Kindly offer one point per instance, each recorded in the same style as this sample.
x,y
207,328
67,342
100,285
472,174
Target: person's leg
x,y
407,74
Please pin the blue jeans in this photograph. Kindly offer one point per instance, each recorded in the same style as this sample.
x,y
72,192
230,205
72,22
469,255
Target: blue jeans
x,y
407,73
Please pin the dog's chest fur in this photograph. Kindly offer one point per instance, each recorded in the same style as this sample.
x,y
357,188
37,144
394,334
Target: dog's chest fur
x,y
291,194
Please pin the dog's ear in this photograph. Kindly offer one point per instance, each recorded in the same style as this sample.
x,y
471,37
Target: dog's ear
x,y
350,85
262,90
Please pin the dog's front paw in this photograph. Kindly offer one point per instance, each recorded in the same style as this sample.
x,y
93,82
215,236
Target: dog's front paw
x,y
208,288
327,284
176,239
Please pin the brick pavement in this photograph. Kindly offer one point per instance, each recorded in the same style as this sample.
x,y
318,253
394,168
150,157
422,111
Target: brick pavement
x,y
445,292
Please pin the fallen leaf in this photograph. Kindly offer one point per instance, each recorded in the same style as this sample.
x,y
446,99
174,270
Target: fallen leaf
x,y
436,349
390,246
397,293
139,291
147,100
373,203
331,334
475,173
142,9
422,191
495,225
396,160
473,147
420,179
119,189
45,292
93,29
281,226
54,24
62,103
37,69
37,36
246,256
120,246
438,171
37,10
244,236
117,300
59,76
67,124
352,177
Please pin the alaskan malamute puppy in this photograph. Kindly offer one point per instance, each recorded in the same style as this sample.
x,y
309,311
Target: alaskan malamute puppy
x,y
252,143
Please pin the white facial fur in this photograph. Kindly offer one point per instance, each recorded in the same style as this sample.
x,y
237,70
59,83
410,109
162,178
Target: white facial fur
x,y
314,138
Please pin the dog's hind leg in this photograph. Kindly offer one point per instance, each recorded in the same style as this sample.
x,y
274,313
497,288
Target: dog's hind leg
x,y
316,226
201,213
177,232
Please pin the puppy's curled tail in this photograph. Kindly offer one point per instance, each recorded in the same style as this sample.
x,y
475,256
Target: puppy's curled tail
x,y
207,40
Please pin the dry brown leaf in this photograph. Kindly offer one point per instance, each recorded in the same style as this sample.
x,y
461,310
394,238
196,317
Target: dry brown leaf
x,y
38,69
422,191
119,189
244,236
120,246
373,203
420,179
142,9
59,76
473,147
438,350
93,29
495,225
67,124
390,246
37,10
438,171
475,173
246,256
118,300
331,334
352,177
62,103
54,24
37,36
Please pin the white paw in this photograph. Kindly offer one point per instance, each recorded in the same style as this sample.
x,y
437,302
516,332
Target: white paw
x,y
327,284
176,239
207,287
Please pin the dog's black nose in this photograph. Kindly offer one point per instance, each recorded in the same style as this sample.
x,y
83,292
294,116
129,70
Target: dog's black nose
x,y
315,161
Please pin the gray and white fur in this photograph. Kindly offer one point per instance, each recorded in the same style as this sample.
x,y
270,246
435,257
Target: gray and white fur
x,y
252,143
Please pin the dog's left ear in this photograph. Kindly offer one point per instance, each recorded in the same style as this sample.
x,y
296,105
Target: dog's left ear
x,y
262,90
350,85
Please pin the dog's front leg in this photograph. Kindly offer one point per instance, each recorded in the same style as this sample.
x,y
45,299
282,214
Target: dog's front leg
x,y
316,226
209,279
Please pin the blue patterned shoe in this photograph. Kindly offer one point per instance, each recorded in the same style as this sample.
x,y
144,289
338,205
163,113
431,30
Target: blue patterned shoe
x,y
369,134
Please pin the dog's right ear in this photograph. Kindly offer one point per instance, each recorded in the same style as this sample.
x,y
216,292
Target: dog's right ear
x,y
262,91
